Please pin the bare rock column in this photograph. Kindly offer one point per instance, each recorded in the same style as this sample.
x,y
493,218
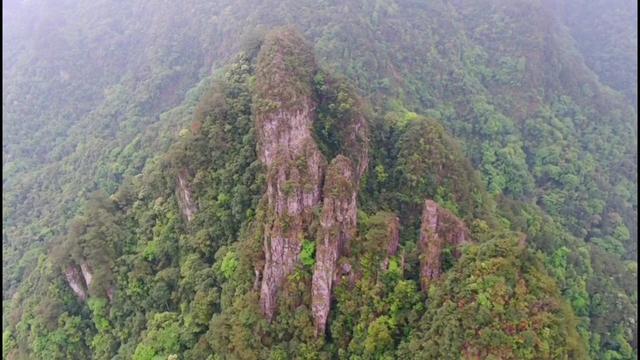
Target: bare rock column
x,y
285,108
440,228
184,195
86,273
338,227
285,111
76,281
393,234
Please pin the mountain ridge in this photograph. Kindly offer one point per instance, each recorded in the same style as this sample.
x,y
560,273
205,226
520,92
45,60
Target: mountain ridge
x,y
500,125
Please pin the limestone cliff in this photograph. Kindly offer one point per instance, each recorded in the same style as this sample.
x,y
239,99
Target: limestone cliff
x,y
355,140
80,277
338,227
286,107
183,192
86,274
74,277
439,229
338,218
393,236
285,111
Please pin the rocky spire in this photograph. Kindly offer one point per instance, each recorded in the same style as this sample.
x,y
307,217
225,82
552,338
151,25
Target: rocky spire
x,y
285,111
184,195
76,281
285,108
439,229
338,227
393,236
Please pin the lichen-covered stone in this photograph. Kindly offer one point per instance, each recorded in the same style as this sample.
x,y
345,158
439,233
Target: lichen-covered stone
x,y
86,274
356,142
338,227
74,277
286,108
439,229
185,199
295,166
393,236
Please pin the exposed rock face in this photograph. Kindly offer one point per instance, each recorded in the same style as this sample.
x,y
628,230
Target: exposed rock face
x,y
86,273
522,240
338,227
338,219
80,279
439,229
344,272
285,110
356,143
183,192
295,166
110,293
393,234
76,281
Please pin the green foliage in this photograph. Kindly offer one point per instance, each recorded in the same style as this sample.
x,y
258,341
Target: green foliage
x,y
98,307
8,343
498,291
381,174
229,264
431,164
308,253
161,338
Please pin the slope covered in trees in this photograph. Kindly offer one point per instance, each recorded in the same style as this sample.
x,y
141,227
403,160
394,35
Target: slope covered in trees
x,y
494,110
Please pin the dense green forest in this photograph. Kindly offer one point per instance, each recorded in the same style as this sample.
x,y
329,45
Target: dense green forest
x,y
320,179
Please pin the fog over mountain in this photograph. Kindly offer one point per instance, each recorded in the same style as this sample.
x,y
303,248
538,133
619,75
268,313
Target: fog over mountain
x,y
389,179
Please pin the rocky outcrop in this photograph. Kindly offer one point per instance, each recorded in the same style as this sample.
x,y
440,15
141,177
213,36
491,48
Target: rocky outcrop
x,y
439,229
80,279
76,281
184,195
355,141
338,227
393,236
285,111
86,274
110,293
285,108
338,218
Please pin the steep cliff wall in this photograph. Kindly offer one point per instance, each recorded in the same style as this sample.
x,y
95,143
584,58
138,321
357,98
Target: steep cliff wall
x,y
73,274
286,108
355,141
80,277
285,111
86,274
439,229
184,195
348,129
393,236
338,227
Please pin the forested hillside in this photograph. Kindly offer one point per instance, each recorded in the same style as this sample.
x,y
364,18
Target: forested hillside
x,y
320,179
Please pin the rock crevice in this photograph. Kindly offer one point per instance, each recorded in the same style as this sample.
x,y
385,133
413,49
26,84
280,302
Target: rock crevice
x,y
86,274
